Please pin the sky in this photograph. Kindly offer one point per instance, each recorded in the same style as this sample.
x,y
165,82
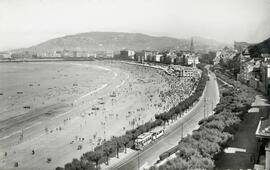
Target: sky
x,y
24,23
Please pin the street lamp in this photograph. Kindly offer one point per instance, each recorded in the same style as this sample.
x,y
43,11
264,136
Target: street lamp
x,y
182,131
138,160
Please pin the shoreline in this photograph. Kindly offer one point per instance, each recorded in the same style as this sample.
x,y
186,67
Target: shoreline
x,y
49,59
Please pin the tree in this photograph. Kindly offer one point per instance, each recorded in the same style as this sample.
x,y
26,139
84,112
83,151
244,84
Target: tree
x,y
93,157
125,141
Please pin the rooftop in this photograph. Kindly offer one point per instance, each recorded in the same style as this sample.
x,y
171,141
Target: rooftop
x,y
263,129
144,135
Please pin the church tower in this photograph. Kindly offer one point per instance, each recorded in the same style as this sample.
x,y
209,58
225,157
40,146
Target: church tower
x,y
191,46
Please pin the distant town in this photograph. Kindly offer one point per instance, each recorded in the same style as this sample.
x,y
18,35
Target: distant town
x,y
253,70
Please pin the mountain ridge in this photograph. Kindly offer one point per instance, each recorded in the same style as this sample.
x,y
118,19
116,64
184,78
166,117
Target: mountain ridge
x,y
257,49
115,41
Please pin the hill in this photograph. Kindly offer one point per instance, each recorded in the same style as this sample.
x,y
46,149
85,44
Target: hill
x,y
100,41
257,49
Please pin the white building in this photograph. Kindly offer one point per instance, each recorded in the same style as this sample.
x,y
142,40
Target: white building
x,y
191,59
57,54
5,55
157,58
109,54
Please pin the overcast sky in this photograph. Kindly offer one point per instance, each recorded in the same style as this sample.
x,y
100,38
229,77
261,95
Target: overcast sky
x,y
27,22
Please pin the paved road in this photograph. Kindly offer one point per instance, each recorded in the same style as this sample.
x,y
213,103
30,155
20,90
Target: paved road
x,y
150,155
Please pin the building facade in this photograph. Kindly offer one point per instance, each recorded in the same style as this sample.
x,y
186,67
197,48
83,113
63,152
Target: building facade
x,y
5,55
127,54
109,54
263,142
265,78
246,69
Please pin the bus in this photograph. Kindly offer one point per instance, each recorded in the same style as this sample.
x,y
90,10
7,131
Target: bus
x,y
147,137
143,140
157,132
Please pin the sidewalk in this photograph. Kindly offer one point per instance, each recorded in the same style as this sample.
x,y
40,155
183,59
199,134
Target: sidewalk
x,y
244,139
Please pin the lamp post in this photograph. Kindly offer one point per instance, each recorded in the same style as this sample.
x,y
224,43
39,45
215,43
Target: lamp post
x,y
138,160
182,131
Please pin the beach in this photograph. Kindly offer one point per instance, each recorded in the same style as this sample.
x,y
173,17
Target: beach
x,y
61,110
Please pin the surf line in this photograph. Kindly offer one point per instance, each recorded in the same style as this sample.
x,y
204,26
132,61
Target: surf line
x,y
123,82
95,66
7,136
60,115
32,125
94,91
91,92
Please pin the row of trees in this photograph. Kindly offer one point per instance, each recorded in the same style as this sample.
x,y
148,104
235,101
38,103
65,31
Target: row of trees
x,y
111,148
199,150
187,103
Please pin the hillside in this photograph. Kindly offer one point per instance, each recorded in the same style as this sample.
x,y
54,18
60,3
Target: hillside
x,y
262,47
100,41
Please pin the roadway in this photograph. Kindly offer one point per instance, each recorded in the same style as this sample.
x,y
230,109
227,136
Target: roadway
x,y
189,122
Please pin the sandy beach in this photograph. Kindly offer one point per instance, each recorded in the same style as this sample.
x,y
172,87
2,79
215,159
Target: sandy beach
x,y
64,109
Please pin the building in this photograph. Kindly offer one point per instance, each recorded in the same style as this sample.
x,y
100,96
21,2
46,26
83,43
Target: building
x,y
180,60
57,54
191,60
254,81
192,49
246,69
109,54
183,71
263,136
265,56
265,78
80,54
157,57
100,54
139,56
188,72
170,58
83,54
127,54
5,55
67,53
148,55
